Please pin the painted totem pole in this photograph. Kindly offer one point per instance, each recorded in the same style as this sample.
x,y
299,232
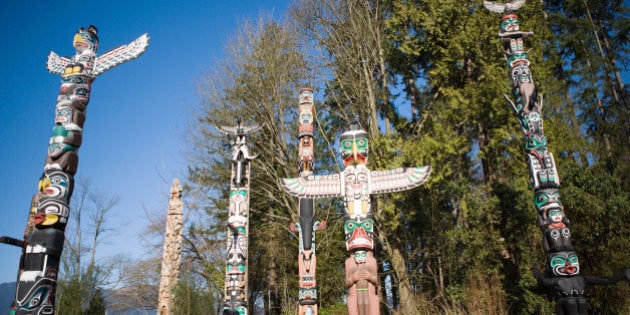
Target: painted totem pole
x,y
307,226
44,235
172,253
235,297
356,183
563,266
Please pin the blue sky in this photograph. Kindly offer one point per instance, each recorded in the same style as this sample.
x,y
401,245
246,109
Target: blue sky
x,y
133,139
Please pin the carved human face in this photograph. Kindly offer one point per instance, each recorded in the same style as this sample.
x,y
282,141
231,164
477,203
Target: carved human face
x,y
354,147
510,23
521,74
360,256
564,264
555,215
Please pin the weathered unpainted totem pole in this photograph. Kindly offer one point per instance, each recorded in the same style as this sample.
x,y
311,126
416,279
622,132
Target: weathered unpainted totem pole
x,y
356,183
44,234
307,262
172,253
563,266
235,297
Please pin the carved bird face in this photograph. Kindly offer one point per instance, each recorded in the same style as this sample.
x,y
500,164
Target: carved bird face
x,y
547,199
86,40
359,234
354,147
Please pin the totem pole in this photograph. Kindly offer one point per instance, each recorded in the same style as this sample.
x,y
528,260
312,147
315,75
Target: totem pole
x,y
356,183
44,234
235,297
562,262
307,226
172,253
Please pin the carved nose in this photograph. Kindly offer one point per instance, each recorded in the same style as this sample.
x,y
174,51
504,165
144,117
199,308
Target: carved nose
x,y
569,268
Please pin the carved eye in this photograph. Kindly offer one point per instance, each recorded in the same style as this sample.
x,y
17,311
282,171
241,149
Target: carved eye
x,y
350,225
346,145
557,261
517,72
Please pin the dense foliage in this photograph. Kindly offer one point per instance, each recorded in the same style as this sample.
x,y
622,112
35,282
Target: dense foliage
x,y
426,79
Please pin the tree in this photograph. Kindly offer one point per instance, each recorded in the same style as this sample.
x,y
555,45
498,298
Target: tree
x,y
258,82
592,37
84,277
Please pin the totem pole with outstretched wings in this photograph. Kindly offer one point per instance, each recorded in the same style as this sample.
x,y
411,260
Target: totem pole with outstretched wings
x,y
45,230
235,295
355,184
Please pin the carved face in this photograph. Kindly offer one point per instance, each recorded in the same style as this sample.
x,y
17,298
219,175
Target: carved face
x,y
547,199
359,234
60,185
360,256
555,215
306,115
536,144
521,74
564,264
306,95
517,58
86,40
235,268
509,23
354,147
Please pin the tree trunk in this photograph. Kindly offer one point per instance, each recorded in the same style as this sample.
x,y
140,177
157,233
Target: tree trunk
x,y
399,266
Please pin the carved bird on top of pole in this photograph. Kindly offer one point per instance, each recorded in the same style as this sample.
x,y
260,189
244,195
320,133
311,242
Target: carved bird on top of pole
x,y
503,7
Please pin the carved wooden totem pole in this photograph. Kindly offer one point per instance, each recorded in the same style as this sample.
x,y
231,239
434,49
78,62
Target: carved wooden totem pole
x,y
307,226
563,267
235,297
172,253
356,183
44,234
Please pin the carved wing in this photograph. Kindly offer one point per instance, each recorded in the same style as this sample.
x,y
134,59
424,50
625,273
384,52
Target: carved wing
x,y
313,186
515,5
121,54
494,6
234,130
227,130
252,128
398,179
57,64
